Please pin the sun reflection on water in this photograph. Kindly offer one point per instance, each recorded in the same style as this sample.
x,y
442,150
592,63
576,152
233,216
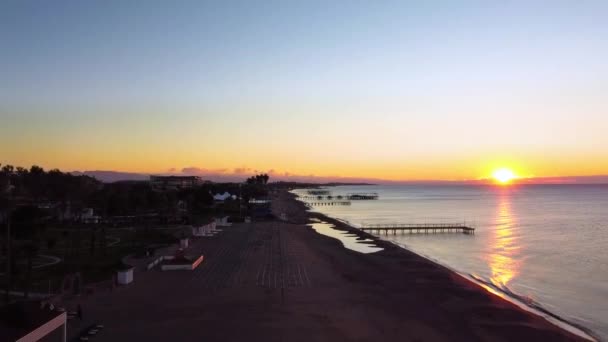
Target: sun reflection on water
x,y
504,244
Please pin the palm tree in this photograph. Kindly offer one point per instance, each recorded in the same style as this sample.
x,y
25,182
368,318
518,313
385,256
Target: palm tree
x,y
29,222
92,245
103,242
5,208
9,271
30,249
66,241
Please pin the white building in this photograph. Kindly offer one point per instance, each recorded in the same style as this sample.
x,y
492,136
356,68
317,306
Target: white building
x,y
223,197
208,229
88,216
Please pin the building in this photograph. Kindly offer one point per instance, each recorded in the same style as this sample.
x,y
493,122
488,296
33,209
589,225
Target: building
x,y
88,216
174,182
208,229
223,197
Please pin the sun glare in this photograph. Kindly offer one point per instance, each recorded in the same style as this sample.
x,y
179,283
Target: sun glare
x,y
503,176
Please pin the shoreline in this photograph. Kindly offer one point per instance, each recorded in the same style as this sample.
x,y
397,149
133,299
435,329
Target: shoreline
x,y
552,318
536,310
273,281
511,297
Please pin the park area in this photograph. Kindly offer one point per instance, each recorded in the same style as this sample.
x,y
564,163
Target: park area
x,y
93,252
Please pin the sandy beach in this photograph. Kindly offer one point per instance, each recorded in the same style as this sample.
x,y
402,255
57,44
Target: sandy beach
x,y
282,281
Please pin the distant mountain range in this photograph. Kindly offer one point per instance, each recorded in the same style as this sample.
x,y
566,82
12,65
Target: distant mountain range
x,y
116,176
113,176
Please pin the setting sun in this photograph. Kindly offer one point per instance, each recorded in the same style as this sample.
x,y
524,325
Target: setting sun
x,y
503,175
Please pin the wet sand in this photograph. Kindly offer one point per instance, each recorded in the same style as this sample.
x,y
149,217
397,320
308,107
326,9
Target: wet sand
x,y
282,281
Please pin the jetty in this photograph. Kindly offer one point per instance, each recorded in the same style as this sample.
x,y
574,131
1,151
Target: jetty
x,y
320,197
349,196
321,203
362,196
425,228
319,192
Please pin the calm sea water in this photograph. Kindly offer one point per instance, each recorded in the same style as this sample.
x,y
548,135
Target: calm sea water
x,y
547,244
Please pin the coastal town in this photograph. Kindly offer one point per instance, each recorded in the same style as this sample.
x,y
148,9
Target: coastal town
x,y
176,258
311,171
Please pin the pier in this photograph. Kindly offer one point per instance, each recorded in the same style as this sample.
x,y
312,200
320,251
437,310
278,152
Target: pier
x,y
319,192
320,197
320,203
362,196
349,196
425,228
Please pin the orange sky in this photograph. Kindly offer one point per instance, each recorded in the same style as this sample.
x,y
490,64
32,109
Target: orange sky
x,y
397,92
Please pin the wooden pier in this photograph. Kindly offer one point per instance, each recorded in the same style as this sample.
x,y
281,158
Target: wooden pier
x,y
321,203
349,197
319,192
321,197
362,196
418,228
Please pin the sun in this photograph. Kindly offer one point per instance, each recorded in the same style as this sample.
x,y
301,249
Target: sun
x,y
503,175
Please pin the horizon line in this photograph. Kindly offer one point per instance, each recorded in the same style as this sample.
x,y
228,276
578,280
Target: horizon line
x,y
112,176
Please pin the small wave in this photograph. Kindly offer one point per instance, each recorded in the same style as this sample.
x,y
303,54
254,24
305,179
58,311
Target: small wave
x,y
505,290
523,302
535,306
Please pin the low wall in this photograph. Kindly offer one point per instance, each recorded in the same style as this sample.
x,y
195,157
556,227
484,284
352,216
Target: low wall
x,y
154,263
46,329
197,262
185,267
204,230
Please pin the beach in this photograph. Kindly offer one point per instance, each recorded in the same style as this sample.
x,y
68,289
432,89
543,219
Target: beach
x,y
282,281
513,248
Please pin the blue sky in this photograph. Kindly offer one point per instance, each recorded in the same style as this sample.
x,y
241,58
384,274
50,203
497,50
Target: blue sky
x,y
491,82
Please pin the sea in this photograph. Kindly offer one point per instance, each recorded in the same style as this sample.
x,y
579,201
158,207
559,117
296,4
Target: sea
x,y
543,245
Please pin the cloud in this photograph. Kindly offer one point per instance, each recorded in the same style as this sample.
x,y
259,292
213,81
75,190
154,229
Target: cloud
x,y
241,170
197,171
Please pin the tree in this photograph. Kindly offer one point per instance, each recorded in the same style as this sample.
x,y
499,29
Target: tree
x,y
103,242
65,235
30,249
5,214
8,169
28,222
92,245
261,179
51,243
35,182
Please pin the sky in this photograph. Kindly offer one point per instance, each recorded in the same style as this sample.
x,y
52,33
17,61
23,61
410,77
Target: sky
x,y
395,90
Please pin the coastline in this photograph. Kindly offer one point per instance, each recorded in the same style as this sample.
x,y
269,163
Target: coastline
x,y
274,280
512,297
537,311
